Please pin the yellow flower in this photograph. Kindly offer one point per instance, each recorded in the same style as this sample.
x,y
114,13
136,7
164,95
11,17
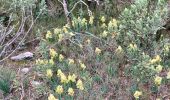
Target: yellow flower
x,y
91,20
61,57
79,19
137,94
71,34
168,75
39,61
65,29
103,25
97,51
103,19
119,49
110,25
51,97
80,45
133,46
158,68
70,61
82,65
73,23
72,78
53,53
59,89
57,31
48,35
80,85
59,72
60,37
49,73
70,91
104,34
84,21
158,80
114,23
156,59
158,99
63,78
51,61
166,49
88,41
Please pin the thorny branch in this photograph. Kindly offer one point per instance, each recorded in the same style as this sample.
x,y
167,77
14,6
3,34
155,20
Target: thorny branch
x,y
5,32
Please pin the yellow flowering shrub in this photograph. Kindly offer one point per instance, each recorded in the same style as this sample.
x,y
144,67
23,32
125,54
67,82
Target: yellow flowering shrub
x,y
92,56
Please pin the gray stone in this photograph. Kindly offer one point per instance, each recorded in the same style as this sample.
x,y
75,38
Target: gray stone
x,y
25,70
35,83
23,56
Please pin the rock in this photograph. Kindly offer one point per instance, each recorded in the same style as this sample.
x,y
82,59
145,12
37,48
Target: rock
x,y
35,83
22,56
25,70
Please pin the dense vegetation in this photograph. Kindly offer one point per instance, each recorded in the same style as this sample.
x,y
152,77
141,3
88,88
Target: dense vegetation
x,y
85,49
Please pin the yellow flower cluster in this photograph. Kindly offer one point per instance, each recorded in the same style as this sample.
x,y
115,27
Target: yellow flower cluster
x,y
119,49
60,37
48,35
88,41
59,89
103,25
70,61
112,24
133,46
71,34
51,97
63,77
97,51
104,34
65,30
80,85
70,91
137,94
82,65
158,80
39,61
158,68
57,31
91,20
168,75
53,53
84,22
166,48
49,73
103,19
51,61
61,57
72,78
156,59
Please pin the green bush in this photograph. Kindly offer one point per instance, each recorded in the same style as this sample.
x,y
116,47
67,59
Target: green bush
x,y
6,78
